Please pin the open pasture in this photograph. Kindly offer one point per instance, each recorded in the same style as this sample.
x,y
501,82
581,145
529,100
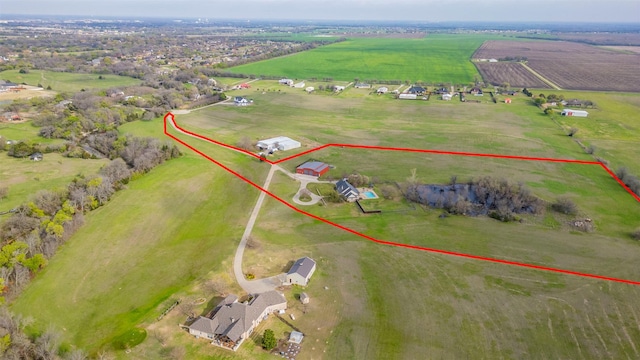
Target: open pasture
x,y
25,178
433,59
71,82
402,303
570,65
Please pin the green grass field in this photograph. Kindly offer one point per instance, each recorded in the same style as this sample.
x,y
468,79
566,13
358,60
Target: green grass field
x,y
24,178
67,82
174,227
433,59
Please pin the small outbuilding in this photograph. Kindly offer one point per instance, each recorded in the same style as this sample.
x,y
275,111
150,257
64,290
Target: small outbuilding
x,y
507,101
304,298
301,272
578,113
296,337
447,97
313,168
382,90
287,82
36,156
280,143
407,96
309,89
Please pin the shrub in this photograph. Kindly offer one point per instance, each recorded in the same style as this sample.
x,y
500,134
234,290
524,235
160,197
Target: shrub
x,y
636,234
573,131
269,340
565,205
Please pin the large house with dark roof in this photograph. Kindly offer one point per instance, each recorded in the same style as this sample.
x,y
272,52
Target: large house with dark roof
x,y
301,272
231,322
347,191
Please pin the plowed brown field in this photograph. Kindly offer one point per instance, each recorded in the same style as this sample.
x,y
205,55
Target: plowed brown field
x,y
569,65
513,73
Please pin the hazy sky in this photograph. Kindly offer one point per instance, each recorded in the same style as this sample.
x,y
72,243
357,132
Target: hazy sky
x,y
420,10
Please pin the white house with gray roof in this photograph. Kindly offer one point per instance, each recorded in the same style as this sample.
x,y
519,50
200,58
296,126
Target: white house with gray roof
x,y
301,272
231,322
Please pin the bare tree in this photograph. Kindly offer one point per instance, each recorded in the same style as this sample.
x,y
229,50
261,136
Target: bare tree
x,y
215,287
117,170
187,306
245,143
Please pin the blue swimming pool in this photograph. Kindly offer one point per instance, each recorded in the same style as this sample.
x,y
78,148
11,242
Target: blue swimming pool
x,y
370,195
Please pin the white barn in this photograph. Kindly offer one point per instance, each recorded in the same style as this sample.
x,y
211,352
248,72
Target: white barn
x,y
578,113
280,143
301,272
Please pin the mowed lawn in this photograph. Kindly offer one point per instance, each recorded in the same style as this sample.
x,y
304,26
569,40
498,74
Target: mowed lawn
x,y
167,230
435,58
69,82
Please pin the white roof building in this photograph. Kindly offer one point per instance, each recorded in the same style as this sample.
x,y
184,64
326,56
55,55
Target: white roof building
x,y
280,143
578,113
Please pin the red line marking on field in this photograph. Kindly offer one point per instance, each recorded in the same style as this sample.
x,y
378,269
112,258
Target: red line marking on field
x,y
384,242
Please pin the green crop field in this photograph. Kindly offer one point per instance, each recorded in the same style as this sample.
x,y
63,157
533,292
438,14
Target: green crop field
x,y
71,82
433,59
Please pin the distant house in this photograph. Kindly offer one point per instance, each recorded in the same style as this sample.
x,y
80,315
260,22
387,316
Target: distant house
x,y
287,82
301,272
382,90
280,143
577,113
347,191
36,156
313,168
418,90
447,97
361,85
573,102
241,101
442,90
231,322
476,91
244,86
338,88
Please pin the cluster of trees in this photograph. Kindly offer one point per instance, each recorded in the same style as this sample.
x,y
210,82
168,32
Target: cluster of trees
x,y
39,226
514,58
497,198
629,179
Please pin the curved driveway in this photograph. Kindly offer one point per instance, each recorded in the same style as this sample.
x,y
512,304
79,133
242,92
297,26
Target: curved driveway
x,y
270,283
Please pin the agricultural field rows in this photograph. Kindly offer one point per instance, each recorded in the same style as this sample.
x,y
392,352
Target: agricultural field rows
x,y
570,65
509,72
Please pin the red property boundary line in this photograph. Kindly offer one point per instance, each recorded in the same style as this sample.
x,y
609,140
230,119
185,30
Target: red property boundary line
x,y
384,242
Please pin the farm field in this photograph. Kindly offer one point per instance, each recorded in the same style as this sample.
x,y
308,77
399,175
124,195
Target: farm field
x,y
71,82
571,65
433,59
382,302
509,72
